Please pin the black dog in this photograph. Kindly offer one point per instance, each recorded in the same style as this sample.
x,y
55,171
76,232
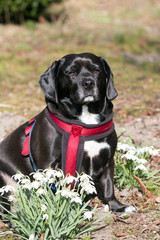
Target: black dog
x,y
78,90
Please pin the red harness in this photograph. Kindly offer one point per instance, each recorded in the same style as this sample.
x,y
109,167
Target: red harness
x,y
25,150
75,133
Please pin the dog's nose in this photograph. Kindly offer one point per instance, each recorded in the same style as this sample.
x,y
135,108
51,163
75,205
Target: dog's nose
x,y
88,83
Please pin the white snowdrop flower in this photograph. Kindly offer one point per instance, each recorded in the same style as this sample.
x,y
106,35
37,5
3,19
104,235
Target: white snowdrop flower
x,y
76,200
141,167
69,179
154,152
31,237
132,148
144,149
88,188
44,180
140,151
151,150
123,146
27,186
38,176
53,173
133,158
51,180
59,174
71,194
129,156
8,188
61,183
50,173
41,191
25,181
45,216
35,184
85,178
106,208
43,207
141,160
66,193
88,215
131,152
18,176
10,198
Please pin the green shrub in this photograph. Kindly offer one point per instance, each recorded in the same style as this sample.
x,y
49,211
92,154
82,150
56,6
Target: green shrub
x,y
18,11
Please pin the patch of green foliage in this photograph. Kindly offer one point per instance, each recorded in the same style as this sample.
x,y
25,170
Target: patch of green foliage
x,y
132,160
20,10
50,206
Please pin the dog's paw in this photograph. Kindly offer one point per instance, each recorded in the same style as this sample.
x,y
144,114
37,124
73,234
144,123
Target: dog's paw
x,y
106,208
128,210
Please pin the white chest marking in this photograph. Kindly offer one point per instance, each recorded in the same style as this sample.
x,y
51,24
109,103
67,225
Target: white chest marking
x,y
87,117
93,148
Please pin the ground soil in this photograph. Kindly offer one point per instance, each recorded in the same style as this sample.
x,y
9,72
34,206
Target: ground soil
x,y
145,223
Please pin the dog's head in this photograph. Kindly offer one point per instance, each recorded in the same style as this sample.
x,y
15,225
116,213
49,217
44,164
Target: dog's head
x,y
82,78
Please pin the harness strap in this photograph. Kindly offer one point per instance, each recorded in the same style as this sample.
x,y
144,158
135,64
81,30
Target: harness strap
x,y
26,150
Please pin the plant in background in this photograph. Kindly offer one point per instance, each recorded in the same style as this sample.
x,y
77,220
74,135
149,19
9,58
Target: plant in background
x,y
20,10
51,205
131,160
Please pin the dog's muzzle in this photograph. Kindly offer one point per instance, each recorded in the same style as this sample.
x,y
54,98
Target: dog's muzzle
x,y
88,83
88,90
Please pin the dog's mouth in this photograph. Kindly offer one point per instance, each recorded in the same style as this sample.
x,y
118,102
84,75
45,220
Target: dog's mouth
x,y
88,99
83,96
85,99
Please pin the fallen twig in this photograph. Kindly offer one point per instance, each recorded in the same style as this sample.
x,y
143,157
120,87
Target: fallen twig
x,y
143,187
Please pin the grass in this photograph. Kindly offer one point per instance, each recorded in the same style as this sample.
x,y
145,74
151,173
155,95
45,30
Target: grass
x,y
29,50
22,65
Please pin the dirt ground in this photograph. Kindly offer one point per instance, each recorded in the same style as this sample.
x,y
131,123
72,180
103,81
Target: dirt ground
x,y
145,223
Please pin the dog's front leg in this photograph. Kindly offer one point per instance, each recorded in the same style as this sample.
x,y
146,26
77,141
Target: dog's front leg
x,y
107,189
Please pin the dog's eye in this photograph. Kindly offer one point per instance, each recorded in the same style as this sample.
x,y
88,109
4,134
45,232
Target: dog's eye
x,y
96,70
72,73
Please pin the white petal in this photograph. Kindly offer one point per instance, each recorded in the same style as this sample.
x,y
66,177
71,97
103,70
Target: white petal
x,y
141,167
31,237
43,207
45,216
76,200
88,215
106,208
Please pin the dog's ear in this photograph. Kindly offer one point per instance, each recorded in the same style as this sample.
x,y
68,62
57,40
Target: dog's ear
x,y
48,83
111,92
